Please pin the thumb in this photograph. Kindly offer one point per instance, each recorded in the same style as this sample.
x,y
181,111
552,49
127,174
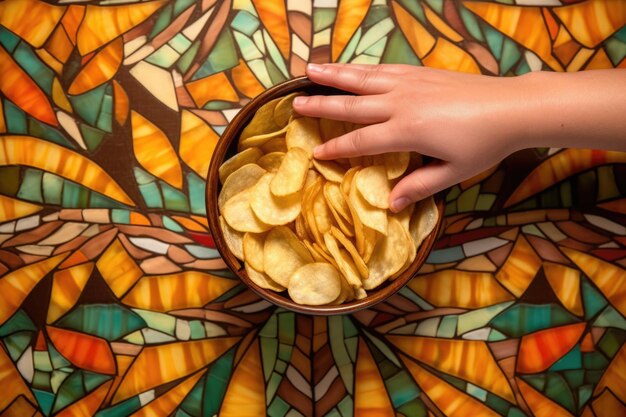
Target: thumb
x,y
421,183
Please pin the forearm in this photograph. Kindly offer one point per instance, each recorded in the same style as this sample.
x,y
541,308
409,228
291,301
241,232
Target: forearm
x,y
575,110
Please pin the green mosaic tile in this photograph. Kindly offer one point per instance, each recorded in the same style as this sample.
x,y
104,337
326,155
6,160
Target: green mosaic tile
x,y
522,319
399,51
323,18
269,351
108,321
571,360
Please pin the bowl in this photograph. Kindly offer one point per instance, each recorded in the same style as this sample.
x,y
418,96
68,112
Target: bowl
x,y
227,147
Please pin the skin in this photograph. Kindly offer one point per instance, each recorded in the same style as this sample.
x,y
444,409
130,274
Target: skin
x,y
467,122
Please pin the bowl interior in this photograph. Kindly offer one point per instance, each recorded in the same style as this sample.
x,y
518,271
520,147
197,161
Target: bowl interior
x,y
227,147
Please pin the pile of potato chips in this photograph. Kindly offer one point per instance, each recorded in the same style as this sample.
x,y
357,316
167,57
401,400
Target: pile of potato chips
x,y
319,229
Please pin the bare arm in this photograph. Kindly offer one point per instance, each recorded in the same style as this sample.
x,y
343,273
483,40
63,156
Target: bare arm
x,y
467,122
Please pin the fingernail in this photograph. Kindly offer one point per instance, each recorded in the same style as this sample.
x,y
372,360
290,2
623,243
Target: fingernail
x,y
318,150
399,203
300,101
314,68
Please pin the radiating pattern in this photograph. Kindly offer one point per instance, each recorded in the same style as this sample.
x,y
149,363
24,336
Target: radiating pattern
x,y
115,302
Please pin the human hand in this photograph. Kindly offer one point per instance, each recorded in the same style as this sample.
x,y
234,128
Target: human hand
x,y
467,122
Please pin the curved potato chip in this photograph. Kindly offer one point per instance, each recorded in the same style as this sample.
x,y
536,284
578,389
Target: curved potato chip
x,y
233,238
337,201
344,261
271,209
283,253
253,250
314,253
344,226
308,198
263,280
245,177
276,144
291,174
259,140
404,216
359,263
301,229
395,163
330,170
388,257
263,120
284,109
370,216
311,177
322,214
373,185
315,284
303,133
271,161
410,258
423,220
330,129
239,215
346,182
240,159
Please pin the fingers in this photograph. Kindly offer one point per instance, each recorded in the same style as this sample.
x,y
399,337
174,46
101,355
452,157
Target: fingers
x,y
368,140
355,109
388,68
421,183
351,79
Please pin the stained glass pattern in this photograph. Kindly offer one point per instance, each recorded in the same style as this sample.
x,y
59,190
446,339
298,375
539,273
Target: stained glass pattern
x,y
115,302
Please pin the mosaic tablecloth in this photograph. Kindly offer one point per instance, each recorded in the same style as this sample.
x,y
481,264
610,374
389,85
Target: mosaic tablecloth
x,y
114,301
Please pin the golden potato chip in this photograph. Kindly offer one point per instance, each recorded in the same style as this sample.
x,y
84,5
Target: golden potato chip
x,y
233,239
239,215
315,284
330,129
240,159
311,177
410,258
284,109
423,220
321,251
277,144
263,280
301,228
260,140
388,257
354,253
314,253
323,216
308,198
303,133
291,174
271,209
395,163
404,216
245,177
263,121
344,261
337,201
370,238
253,249
370,216
344,226
330,170
283,254
373,185
347,294
271,161
346,182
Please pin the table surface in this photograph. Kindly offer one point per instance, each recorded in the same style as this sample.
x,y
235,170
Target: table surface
x,y
114,300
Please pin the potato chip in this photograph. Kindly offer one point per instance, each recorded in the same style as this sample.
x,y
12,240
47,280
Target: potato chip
x,y
395,163
245,177
323,216
271,161
263,121
301,229
346,183
344,261
354,253
330,170
404,216
410,258
277,144
283,254
311,177
303,133
239,215
271,209
321,251
308,198
253,250
373,185
337,201
344,226
291,174
388,257
370,216
240,159
233,239
260,140
263,280
314,253
423,220
370,238
284,109
330,129
323,289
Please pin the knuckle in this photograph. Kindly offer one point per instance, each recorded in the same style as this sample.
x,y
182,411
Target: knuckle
x,y
350,104
354,141
419,188
365,79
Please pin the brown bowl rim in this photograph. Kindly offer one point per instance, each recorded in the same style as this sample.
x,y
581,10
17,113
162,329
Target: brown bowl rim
x,y
212,191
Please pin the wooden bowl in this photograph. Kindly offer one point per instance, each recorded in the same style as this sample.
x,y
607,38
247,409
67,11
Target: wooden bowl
x,y
227,147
